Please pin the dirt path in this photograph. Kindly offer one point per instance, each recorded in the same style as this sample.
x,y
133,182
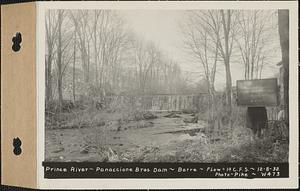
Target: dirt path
x,y
130,139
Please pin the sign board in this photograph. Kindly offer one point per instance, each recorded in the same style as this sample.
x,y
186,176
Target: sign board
x,y
257,93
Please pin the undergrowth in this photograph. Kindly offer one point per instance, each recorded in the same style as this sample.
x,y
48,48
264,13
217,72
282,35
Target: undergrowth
x,y
221,141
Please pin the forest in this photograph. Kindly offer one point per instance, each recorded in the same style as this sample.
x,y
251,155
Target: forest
x,y
111,95
94,55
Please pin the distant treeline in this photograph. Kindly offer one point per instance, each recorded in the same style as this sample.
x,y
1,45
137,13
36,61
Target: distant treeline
x,y
93,53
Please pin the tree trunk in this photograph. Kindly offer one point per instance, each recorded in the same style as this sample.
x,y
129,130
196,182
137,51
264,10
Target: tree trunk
x,y
88,63
59,61
226,27
228,84
96,56
226,22
74,59
49,79
283,27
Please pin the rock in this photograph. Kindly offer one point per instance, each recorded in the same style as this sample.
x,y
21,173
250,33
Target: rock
x,y
191,120
114,126
84,151
172,115
101,123
58,150
149,115
188,111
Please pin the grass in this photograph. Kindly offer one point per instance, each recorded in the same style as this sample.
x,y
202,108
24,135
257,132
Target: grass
x,y
219,142
242,147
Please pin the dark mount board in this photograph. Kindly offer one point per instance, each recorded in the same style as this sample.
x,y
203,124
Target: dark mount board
x,y
257,93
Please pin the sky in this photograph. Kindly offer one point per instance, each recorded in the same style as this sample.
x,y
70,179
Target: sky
x,y
162,27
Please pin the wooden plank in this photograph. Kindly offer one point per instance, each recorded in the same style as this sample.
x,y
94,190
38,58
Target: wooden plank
x,y
257,93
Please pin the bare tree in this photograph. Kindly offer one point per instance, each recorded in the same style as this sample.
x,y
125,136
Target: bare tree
x,y
59,58
208,37
51,35
253,39
228,22
94,34
109,60
63,54
74,68
80,20
220,26
202,46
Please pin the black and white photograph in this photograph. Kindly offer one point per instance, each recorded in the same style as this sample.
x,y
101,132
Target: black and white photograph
x,y
176,86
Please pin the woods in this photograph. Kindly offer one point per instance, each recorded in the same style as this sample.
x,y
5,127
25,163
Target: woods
x,y
107,58
217,38
133,100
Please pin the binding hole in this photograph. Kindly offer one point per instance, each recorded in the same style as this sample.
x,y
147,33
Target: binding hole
x,y
17,146
16,40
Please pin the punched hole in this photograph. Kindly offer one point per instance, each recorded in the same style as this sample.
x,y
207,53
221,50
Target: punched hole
x,y
17,146
16,40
